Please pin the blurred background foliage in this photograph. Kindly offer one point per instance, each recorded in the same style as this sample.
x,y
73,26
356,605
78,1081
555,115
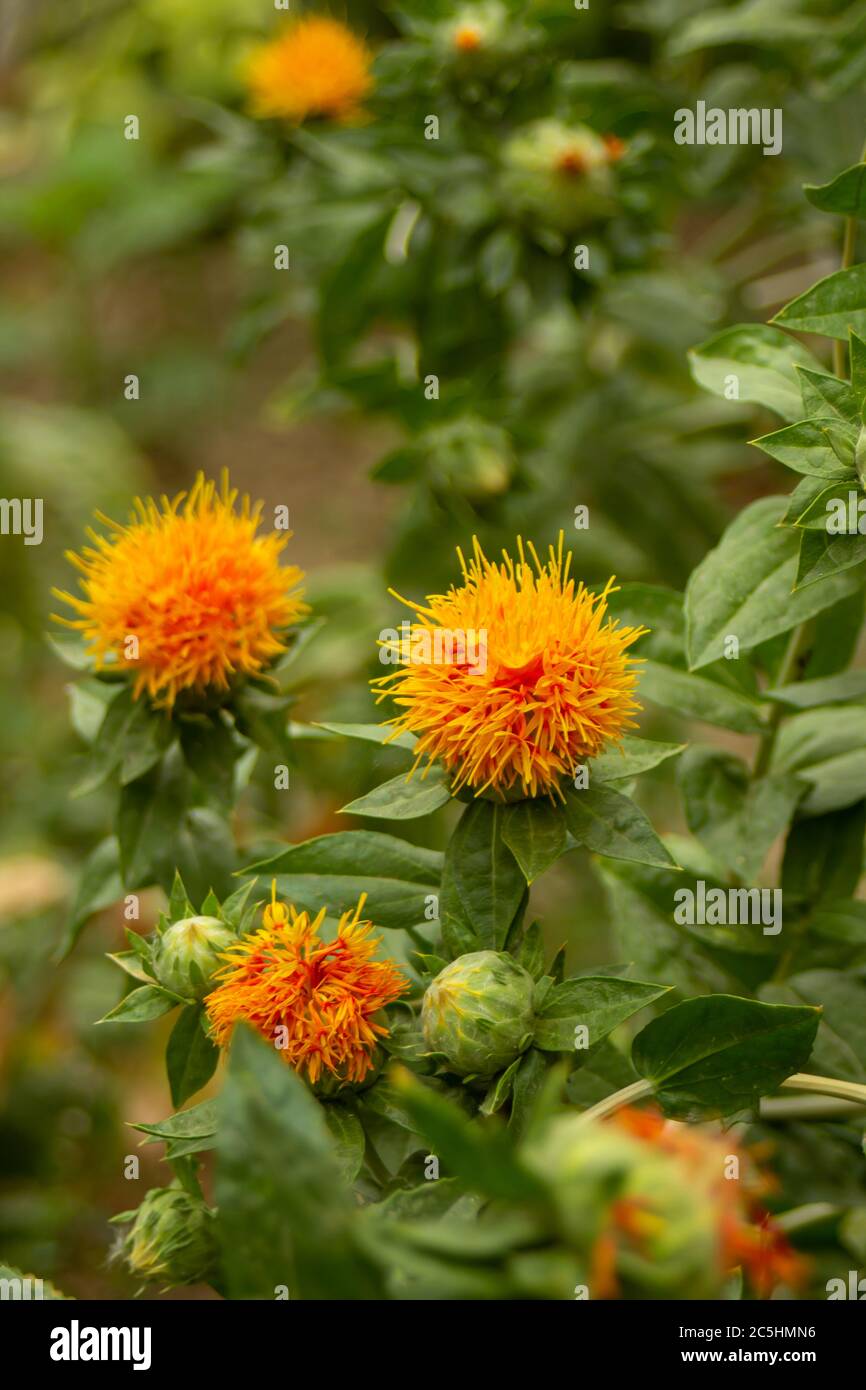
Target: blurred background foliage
x,y
409,259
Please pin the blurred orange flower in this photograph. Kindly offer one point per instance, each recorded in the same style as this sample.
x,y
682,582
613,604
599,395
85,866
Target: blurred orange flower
x,y
317,67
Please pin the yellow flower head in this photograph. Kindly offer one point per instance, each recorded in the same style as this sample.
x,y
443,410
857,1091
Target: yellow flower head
x,y
318,67
513,678
186,595
325,995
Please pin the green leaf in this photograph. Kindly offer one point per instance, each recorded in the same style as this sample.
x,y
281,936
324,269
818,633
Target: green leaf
x,y
179,905
763,360
348,1136
500,1089
743,588
843,920
840,1046
372,733
606,822
333,870
285,1213
143,1005
599,1073
528,1089
829,690
736,817
403,799
817,515
535,832
631,758
149,820
698,697
845,195
824,857
99,886
823,556
190,1058
827,748
831,307
198,1122
131,738
483,1158
130,961
720,1054
827,395
210,750
806,447
529,951
482,883
598,1003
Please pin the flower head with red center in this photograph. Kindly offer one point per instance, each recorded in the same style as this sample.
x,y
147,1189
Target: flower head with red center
x,y
186,596
317,67
324,995
513,678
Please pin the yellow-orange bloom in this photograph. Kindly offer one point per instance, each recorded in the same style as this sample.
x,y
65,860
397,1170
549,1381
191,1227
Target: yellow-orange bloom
x,y
513,678
186,596
323,996
318,67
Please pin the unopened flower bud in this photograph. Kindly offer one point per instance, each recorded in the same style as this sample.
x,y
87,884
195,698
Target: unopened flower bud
x,y
478,1013
189,953
172,1238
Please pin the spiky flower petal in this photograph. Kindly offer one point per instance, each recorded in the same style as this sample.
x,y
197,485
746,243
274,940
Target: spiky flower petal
x,y
317,1001
540,678
186,596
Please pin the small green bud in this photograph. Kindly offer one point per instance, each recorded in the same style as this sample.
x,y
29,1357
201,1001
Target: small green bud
x,y
478,1013
188,954
171,1238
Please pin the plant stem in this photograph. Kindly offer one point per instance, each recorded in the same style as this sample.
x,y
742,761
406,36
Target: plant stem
x,y
849,250
800,1081
798,647
849,246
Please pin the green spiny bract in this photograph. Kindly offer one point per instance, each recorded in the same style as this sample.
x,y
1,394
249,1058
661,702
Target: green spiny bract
x,y
477,1013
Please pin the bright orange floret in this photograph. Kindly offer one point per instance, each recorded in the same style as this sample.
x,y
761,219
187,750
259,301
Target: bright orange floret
x,y
545,683
318,67
186,596
325,995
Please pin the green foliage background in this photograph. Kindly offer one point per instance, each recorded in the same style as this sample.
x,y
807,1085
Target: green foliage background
x,y
558,389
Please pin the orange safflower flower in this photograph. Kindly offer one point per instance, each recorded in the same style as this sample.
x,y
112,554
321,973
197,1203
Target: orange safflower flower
x,y
204,598
747,1236
324,994
554,687
318,67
